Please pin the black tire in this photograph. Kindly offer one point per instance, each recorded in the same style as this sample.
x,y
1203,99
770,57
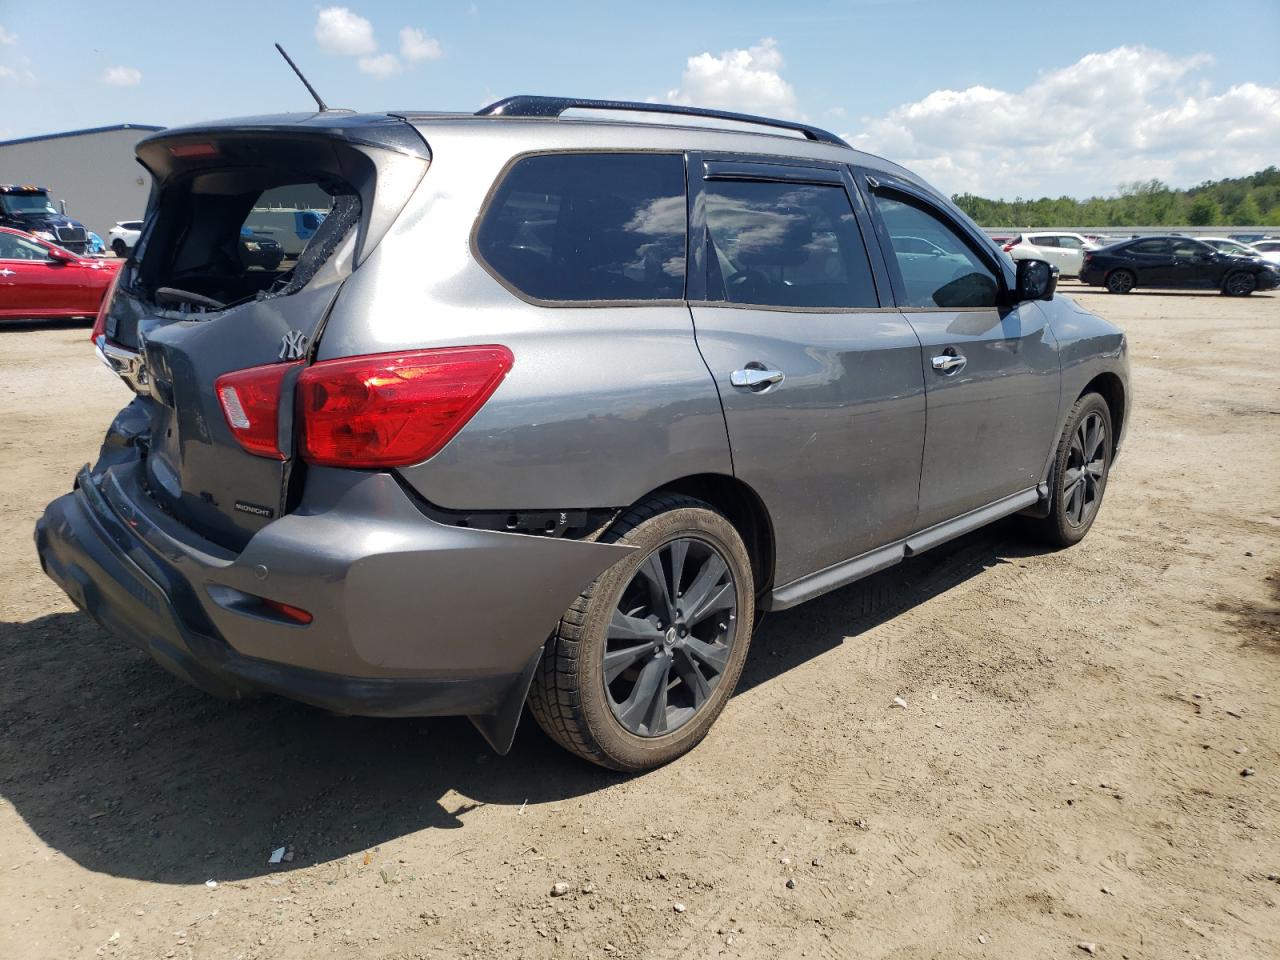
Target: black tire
x,y
1121,281
570,698
119,248
1239,284
1070,519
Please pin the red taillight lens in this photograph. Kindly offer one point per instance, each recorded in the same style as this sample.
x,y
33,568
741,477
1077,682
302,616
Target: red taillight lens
x,y
393,409
100,323
1088,257
1009,246
250,401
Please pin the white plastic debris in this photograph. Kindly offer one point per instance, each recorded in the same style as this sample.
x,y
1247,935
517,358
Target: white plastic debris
x,y
277,855
211,884
899,702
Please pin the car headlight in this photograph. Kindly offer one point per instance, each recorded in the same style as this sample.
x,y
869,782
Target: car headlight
x,y
251,245
44,235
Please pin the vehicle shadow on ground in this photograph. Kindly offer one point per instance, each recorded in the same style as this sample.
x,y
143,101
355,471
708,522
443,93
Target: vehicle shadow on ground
x,y
71,324
129,772
1162,292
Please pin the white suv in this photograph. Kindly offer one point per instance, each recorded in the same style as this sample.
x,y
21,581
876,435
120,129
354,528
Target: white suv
x,y
123,236
1064,250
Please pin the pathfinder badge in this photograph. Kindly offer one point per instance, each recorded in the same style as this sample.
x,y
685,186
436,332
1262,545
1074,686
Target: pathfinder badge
x,y
293,345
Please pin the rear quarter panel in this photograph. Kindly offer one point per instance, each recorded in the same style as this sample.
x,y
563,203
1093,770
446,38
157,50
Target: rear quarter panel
x,y
603,404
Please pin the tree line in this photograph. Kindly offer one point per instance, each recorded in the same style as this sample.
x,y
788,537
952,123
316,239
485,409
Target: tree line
x,y
1238,202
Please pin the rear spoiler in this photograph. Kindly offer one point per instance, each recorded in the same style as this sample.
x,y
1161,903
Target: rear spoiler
x,y
382,158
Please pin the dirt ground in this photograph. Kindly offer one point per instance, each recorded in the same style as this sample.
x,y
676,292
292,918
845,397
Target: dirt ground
x,y
1068,769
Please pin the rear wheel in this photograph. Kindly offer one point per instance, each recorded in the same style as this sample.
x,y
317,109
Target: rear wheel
x,y
644,661
1240,284
1120,281
1079,475
119,249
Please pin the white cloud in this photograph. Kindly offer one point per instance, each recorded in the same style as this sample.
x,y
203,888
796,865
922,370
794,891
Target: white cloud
x,y
381,66
746,80
340,31
1125,114
121,76
7,38
416,45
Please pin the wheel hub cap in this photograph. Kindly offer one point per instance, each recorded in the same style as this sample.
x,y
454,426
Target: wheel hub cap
x,y
669,637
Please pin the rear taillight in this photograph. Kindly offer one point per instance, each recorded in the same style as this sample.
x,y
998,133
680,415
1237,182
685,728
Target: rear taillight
x,y
393,409
1088,258
104,308
250,401
1009,246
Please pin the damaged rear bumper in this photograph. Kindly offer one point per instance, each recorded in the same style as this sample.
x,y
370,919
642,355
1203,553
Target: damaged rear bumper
x,y
409,617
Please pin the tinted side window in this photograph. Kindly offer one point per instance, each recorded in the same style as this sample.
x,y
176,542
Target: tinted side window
x,y
602,226
953,275
1190,248
1045,241
1070,243
1150,247
785,245
15,248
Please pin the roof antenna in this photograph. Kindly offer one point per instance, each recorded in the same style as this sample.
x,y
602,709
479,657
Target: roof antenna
x,y
306,83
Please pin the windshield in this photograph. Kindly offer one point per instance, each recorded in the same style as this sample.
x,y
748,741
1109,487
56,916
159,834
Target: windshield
x,y
28,204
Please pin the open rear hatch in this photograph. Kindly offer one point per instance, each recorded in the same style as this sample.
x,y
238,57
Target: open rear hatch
x,y
221,321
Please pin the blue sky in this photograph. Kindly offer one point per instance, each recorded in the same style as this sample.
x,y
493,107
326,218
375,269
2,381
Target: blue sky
x,y
1000,98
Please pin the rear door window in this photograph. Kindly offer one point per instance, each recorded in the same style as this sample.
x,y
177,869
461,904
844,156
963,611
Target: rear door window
x,y
589,227
1045,241
1150,248
786,245
953,275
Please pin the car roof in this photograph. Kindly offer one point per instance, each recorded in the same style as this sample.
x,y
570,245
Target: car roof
x,y
523,134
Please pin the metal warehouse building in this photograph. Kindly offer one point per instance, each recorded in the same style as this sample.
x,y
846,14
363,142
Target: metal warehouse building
x,y
93,170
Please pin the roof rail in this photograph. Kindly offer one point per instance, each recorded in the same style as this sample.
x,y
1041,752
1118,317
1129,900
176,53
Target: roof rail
x,y
553,107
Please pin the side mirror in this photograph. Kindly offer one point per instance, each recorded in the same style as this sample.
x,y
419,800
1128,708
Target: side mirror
x,y
1037,280
58,255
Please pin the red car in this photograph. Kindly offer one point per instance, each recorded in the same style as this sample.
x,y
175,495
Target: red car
x,y
42,281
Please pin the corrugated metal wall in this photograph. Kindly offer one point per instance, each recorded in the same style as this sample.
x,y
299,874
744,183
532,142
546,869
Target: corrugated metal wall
x,y
95,173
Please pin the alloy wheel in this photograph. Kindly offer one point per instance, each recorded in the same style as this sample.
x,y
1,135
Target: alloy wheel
x,y
670,637
1120,282
1240,284
1086,470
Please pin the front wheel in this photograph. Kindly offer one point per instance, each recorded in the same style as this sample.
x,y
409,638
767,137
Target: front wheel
x,y
645,659
119,249
1078,478
1240,284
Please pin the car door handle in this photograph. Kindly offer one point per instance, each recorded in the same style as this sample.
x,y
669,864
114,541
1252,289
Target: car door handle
x,y
949,363
756,376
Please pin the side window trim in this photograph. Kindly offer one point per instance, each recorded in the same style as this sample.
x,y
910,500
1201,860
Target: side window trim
x,y
705,168
880,183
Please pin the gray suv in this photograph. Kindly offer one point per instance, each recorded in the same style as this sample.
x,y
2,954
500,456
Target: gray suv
x,y
551,409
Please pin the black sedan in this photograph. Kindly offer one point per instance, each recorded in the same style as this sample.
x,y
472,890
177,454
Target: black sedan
x,y
259,251
1176,263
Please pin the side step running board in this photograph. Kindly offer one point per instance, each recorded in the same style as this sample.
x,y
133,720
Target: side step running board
x,y
847,571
